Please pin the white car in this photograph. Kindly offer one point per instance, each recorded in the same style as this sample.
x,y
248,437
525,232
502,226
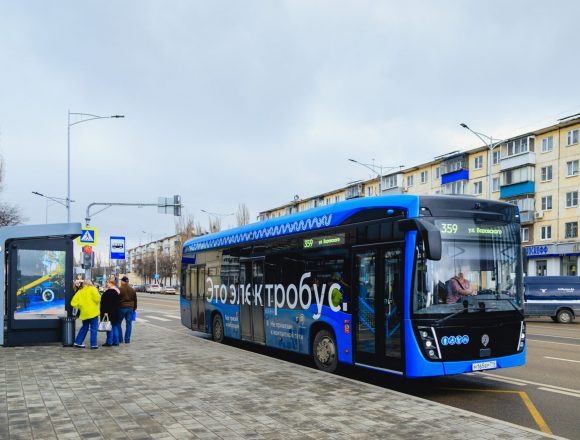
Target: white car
x,y
169,290
154,288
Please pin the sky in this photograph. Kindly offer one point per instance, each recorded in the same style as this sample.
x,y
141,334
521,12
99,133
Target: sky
x,y
254,102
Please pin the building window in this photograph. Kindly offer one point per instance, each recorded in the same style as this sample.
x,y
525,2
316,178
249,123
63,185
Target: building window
x,y
572,137
477,187
570,265
546,203
517,175
478,163
424,176
546,173
496,157
541,268
525,235
547,144
518,146
454,187
390,181
370,191
572,168
410,180
571,230
546,233
572,199
437,172
495,184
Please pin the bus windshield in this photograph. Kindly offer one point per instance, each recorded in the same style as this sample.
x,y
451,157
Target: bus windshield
x,y
479,269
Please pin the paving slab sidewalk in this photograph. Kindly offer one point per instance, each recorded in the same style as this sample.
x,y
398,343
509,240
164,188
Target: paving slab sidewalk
x,y
169,384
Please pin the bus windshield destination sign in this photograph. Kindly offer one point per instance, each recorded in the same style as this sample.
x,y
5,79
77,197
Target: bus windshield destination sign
x,y
318,242
467,229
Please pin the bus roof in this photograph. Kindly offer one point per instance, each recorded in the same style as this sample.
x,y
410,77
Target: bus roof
x,y
310,220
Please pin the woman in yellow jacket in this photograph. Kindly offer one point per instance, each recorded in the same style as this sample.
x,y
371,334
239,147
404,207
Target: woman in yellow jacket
x,y
87,299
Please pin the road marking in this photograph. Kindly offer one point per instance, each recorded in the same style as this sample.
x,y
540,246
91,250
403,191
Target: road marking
x,y
509,381
551,342
158,318
527,401
141,320
560,392
529,382
535,413
172,316
560,359
552,336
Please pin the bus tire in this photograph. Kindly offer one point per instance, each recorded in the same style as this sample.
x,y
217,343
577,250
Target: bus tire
x,y
217,329
564,316
324,351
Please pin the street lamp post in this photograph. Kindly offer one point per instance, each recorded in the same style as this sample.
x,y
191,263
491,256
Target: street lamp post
x,y
59,200
373,168
154,249
490,144
85,117
216,214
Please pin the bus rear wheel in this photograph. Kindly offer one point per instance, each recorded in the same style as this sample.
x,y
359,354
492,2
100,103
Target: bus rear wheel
x,y
324,351
217,330
564,316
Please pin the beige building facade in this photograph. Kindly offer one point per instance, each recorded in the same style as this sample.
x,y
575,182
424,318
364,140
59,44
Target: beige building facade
x,y
537,171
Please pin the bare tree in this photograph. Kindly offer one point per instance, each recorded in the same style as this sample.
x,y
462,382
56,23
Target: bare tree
x,y
215,224
242,215
10,215
185,228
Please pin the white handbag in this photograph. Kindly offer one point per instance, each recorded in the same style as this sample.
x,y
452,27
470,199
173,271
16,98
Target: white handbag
x,y
105,325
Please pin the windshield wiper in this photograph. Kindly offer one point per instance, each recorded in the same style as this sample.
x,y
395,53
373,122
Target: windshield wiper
x,y
516,307
481,308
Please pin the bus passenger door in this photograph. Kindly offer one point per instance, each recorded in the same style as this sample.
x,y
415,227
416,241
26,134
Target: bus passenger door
x,y
252,302
199,300
378,307
185,297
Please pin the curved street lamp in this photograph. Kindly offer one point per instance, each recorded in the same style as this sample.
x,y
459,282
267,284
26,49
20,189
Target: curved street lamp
x,y
374,167
490,144
85,117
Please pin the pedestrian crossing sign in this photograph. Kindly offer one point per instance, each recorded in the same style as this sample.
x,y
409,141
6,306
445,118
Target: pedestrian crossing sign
x,y
88,237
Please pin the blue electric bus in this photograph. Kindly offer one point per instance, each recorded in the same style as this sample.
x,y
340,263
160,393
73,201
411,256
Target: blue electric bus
x,y
371,282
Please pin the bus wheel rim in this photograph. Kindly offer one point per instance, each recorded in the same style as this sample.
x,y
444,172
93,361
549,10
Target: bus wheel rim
x,y
218,329
326,351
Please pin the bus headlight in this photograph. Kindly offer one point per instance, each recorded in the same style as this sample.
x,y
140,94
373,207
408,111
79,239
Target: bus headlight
x,y
429,342
522,338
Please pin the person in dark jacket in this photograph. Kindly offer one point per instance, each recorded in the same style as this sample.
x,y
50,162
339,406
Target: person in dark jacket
x,y
128,306
110,304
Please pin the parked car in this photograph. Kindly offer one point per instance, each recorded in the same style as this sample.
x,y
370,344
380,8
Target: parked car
x,y
154,288
139,287
555,296
169,290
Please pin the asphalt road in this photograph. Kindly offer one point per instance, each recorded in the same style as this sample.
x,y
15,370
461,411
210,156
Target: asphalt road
x,y
543,395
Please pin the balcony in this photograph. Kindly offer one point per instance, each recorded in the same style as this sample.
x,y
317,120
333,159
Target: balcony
x,y
392,184
527,217
354,191
519,160
517,189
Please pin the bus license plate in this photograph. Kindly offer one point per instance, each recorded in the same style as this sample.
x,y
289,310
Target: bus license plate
x,y
478,366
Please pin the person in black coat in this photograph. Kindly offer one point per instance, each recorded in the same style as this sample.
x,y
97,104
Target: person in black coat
x,y
110,304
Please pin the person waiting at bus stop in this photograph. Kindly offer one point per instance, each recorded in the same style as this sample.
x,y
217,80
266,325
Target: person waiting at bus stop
x,y
86,300
110,304
128,306
458,288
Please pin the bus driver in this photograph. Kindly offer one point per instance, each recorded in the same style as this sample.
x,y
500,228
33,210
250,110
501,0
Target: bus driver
x,y
458,287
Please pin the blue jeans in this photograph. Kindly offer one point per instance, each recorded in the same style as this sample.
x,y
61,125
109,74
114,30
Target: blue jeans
x,y
126,313
113,335
94,325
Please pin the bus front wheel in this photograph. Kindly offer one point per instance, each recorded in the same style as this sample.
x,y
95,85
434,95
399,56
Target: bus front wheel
x,y
564,316
217,330
324,351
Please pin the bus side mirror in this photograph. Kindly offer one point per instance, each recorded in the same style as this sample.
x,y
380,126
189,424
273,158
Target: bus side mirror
x,y
430,235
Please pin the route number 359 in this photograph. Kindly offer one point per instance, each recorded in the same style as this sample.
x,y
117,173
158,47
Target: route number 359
x,y
449,228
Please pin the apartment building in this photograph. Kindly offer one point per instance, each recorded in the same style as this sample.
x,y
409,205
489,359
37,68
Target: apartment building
x,y
538,171
162,251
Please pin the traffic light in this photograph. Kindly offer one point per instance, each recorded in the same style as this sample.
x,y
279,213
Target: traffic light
x,y
87,257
